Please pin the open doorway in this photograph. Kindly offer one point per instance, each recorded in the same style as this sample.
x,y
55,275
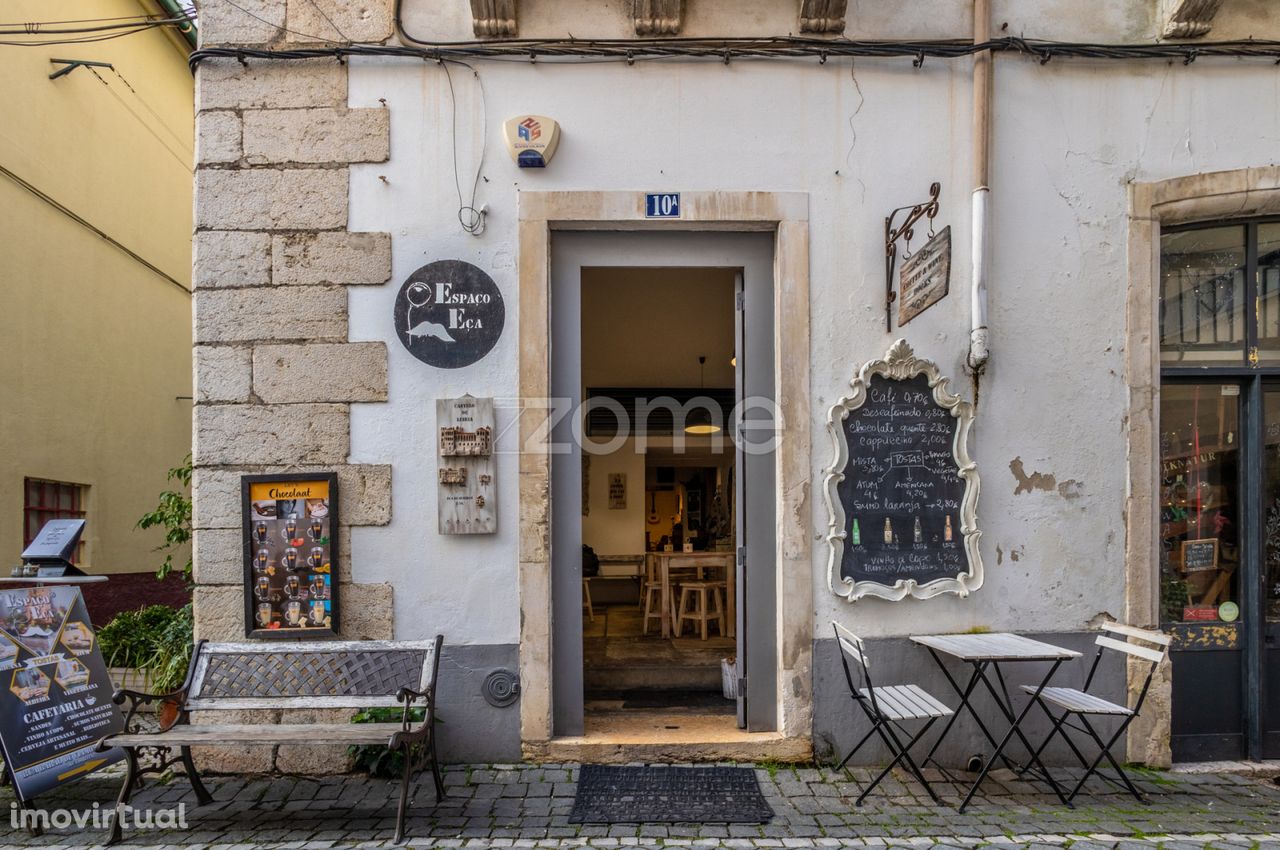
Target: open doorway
x,y
659,525
630,316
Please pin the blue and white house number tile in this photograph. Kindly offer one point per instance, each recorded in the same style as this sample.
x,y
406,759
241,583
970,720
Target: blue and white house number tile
x,y
662,205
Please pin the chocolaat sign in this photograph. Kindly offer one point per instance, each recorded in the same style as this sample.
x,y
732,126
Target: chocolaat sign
x,y
449,314
902,491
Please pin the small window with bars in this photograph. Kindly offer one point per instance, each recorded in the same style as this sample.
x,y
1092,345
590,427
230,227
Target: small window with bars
x,y
46,500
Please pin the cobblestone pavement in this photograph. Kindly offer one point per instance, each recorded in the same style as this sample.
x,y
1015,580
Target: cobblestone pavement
x,y
528,806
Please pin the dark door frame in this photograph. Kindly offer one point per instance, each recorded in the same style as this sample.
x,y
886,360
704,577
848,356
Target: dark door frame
x,y
1253,380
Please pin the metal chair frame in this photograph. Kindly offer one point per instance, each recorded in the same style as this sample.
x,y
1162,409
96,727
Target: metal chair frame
x,y
891,731
1105,643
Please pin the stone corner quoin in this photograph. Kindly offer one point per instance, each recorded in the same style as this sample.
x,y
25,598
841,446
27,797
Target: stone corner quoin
x,y
272,260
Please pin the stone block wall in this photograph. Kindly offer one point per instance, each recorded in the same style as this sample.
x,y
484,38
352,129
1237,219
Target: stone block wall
x,y
275,374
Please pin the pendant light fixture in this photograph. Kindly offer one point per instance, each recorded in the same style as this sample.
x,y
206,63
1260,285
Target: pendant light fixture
x,y
699,421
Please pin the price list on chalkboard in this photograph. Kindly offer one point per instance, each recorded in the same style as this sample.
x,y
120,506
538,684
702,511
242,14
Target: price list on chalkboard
x,y
902,491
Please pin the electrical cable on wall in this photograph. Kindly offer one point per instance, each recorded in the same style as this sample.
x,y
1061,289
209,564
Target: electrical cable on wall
x,y
78,219
577,51
471,219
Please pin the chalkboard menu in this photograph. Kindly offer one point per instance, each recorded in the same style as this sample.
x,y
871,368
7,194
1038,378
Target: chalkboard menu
x,y
902,491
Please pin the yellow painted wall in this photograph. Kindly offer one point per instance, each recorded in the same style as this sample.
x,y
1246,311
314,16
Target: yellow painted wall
x,y
95,348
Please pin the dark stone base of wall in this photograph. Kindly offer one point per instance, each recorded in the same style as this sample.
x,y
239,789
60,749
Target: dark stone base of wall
x,y
472,730
129,591
838,722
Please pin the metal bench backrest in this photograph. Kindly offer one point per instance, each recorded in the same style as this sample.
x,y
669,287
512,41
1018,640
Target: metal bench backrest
x,y
309,674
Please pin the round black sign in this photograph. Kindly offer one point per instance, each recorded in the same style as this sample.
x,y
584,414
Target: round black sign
x,y
449,314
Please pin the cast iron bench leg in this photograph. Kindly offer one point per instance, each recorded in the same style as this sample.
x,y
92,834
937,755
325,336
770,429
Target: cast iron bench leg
x,y
402,809
203,797
126,793
435,768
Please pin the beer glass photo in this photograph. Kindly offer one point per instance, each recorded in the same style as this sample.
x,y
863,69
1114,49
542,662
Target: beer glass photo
x,y
264,614
317,613
293,613
260,531
316,559
292,587
317,528
318,589
263,588
290,559
262,560
291,528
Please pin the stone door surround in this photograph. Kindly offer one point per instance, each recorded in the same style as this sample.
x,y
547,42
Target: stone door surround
x,y
1241,193
786,214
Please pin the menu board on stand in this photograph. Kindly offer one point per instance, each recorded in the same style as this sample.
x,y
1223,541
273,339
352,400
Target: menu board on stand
x,y
290,555
55,705
902,491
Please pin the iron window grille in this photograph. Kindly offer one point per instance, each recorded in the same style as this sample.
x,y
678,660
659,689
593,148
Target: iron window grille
x,y
46,500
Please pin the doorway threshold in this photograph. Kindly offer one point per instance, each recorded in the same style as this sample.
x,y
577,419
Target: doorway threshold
x,y
668,735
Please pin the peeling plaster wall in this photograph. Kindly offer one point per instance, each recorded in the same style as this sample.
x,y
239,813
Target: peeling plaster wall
x,y
1067,139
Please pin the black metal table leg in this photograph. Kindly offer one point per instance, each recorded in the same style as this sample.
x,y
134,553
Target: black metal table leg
x,y
1015,724
964,695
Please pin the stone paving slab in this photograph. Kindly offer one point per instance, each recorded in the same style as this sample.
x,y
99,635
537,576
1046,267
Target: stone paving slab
x,y
527,806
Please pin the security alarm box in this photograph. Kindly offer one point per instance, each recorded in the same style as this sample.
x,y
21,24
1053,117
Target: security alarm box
x,y
531,140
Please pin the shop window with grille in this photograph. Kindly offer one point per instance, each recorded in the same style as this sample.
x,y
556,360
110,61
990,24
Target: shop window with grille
x,y
46,500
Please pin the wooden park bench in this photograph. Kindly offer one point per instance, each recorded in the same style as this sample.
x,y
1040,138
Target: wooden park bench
x,y
284,675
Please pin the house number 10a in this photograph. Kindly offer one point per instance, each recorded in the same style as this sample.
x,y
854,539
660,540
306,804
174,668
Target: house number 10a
x,y
658,205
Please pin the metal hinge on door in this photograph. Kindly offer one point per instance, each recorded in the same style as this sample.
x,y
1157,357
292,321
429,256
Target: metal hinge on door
x,y
742,686
739,300
742,556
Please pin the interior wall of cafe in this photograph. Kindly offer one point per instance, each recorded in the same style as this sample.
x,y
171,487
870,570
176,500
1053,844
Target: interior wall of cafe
x,y
859,138
96,347
615,530
646,328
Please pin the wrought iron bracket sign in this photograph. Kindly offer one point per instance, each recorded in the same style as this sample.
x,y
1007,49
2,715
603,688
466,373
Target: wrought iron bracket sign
x,y
905,230
901,490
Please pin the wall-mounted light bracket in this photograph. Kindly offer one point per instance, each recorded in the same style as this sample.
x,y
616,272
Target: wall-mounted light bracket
x,y
71,64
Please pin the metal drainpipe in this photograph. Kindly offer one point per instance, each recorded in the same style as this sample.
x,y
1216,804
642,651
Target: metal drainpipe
x,y
173,10
979,349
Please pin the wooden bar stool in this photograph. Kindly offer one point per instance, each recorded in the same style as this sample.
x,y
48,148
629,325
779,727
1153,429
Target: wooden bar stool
x,y
652,593
702,595
586,599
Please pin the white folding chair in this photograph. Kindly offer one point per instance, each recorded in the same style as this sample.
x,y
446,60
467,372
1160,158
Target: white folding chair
x,y
1079,702
888,707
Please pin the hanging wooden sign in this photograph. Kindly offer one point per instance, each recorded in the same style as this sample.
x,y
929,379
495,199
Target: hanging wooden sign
x,y
902,491
466,501
926,277
290,555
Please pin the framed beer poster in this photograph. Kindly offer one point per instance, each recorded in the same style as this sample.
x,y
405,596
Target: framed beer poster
x,y
290,555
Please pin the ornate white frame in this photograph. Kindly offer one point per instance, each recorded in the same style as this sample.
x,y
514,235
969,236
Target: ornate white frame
x,y
900,364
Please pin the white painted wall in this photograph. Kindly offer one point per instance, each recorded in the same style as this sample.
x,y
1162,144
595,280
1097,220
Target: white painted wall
x,y
610,531
1068,137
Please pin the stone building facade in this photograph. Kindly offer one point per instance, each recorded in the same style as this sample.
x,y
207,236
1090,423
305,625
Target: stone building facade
x,y
323,181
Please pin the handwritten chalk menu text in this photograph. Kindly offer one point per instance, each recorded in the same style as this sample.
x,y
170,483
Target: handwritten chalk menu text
x,y
902,491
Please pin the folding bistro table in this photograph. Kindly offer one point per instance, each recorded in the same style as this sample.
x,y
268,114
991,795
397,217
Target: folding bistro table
x,y
985,653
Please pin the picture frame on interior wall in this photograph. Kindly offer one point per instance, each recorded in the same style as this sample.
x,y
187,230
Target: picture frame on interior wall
x,y
906,546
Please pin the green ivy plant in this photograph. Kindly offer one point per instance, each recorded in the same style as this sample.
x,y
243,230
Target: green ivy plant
x,y
173,514
376,759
